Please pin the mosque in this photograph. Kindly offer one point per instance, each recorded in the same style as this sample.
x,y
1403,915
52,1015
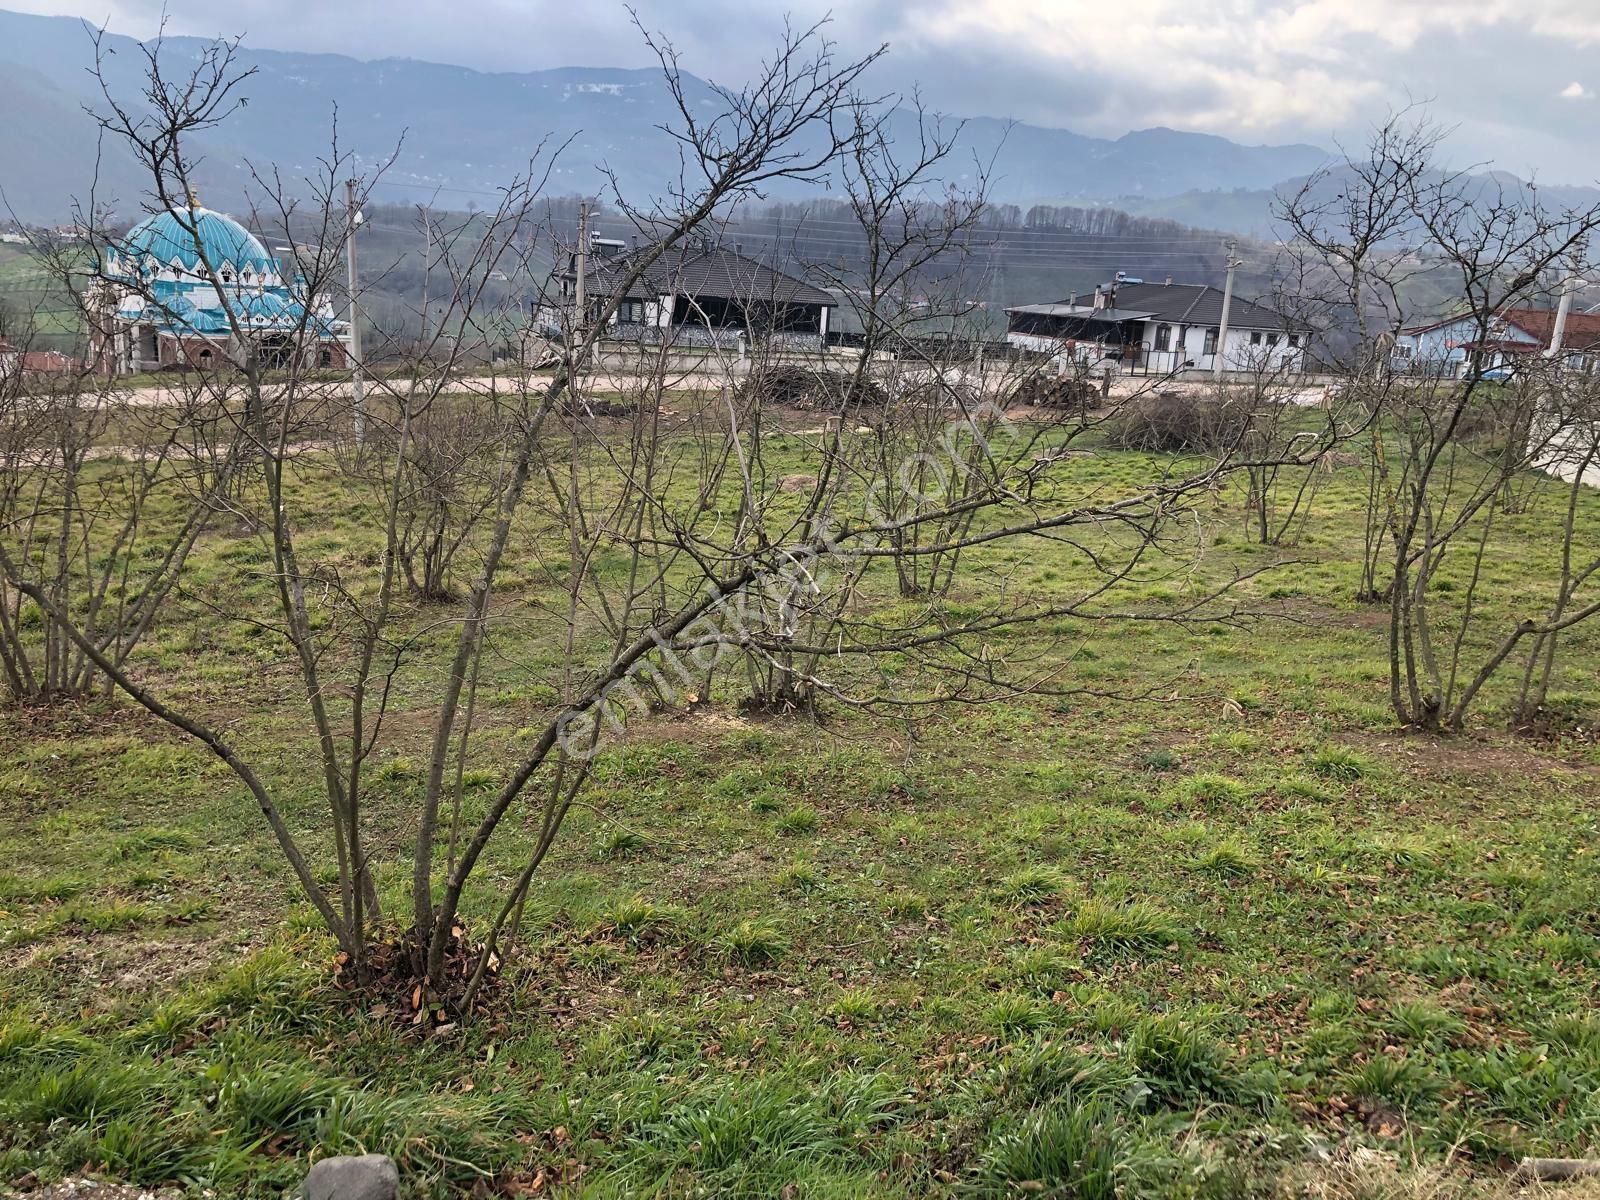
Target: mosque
x,y
161,296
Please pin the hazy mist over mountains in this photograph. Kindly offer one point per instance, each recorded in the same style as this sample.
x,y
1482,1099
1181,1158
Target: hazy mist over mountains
x,y
461,133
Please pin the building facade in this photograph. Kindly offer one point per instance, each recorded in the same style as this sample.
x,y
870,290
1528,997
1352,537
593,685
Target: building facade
x,y
193,289
1451,347
1159,328
698,293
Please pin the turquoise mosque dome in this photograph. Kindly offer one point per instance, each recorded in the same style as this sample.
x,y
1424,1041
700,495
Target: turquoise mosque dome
x,y
171,235
189,287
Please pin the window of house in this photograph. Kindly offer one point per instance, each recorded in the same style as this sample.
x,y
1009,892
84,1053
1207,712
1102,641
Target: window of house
x,y
1163,337
631,312
1210,346
1294,341
1255,337
1272,339
325,358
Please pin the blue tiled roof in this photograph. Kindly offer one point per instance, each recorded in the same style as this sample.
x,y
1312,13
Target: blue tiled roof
x,y
190,303
198,311
169,235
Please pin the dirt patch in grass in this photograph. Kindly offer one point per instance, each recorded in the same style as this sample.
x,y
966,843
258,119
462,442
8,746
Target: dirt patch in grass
x,y
1481,754
107,968
1371,1174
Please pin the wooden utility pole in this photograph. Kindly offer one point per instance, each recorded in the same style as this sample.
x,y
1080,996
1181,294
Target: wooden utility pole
x,y
352,213
1227,302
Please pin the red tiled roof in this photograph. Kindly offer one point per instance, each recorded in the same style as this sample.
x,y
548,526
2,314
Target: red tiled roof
x,y
1582,331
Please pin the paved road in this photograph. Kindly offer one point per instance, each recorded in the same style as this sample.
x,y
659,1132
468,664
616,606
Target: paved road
x,y
620,381
163,395
1566,454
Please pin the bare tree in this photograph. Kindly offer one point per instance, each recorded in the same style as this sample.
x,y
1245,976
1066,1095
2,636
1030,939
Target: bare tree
x,y
1573,451
1351,256
910,298
761,137
1446,453
82,468
668,548
450,431
1275,418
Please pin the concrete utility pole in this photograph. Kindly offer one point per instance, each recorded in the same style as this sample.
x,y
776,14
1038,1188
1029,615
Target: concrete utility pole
x,y
1559,332
353,218
580,297
1227,303
427,257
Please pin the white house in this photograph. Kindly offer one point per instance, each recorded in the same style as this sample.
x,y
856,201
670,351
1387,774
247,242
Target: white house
x,y
1159,327
1448,347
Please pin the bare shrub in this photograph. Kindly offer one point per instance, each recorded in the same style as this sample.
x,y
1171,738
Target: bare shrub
x,y
1042,391
813,388
1176,423
1450,457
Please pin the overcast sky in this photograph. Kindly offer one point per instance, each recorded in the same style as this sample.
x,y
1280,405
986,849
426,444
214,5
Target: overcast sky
x,y
1518,78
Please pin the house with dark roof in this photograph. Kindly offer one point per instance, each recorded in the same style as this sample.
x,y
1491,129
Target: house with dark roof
x,y
696,293
1158,327
1450,346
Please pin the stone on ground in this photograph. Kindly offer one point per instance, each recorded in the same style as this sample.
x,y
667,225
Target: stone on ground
x,y
352,1177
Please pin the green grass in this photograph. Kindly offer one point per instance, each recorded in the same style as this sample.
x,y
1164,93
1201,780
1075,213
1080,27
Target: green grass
x,y
1338,763
1227,860
1064,946
752,943
624,843
1031,885
797,821
637,917
1135,926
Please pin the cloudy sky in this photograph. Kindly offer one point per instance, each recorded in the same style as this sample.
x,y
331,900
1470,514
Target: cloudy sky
x,y
1519,79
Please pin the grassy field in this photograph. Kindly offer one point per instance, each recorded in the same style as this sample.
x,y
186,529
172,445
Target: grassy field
x,y
42,315
1242,937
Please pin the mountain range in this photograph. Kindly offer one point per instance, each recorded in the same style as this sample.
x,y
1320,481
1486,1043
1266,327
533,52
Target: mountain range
x,y
463,132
